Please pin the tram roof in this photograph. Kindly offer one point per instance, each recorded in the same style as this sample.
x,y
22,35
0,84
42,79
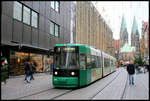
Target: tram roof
x,y
69,44
93,50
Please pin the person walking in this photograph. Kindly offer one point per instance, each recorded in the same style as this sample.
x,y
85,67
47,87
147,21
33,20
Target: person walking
x,y
131,72
28,71
33,70
4,69
51,68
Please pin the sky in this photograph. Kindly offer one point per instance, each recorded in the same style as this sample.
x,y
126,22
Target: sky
x,y
112,12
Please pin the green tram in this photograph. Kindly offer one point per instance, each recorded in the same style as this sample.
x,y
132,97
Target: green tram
x,y
77,65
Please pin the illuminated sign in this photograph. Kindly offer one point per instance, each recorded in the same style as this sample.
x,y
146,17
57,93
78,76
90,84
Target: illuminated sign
x,y
69,49
66,49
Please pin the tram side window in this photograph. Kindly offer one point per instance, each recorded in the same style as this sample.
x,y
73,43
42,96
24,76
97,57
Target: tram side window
x,y
114,65
106,62
94,61
57,60
111,63
82,61
88,61
99,62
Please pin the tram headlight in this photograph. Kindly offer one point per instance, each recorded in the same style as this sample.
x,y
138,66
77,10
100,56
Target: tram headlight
x,y
72,73
56,73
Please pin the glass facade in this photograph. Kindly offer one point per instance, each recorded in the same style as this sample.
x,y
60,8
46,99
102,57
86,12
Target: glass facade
x,y
29,16
52,28
56,30
17,62
55,5
34,19
26,15
17,11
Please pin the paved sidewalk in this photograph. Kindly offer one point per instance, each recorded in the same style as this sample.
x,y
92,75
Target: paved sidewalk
x,y
115,89
140,90
17,87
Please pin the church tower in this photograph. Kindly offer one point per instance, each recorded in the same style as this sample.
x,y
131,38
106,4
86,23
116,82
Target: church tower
x,y
135,36
123,33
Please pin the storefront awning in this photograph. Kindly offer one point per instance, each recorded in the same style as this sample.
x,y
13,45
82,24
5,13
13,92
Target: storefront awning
x,y
28,48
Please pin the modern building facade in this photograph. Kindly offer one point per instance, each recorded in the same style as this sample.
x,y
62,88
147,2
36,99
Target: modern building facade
x,y
30,29
92,29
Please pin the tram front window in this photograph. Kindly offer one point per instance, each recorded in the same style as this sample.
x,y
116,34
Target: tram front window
x,y
66,60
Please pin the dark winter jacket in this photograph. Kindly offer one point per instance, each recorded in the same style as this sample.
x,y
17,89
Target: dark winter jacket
x,y
28,69
130,69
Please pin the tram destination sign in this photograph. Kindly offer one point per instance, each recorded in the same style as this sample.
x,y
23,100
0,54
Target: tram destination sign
x,y
66,49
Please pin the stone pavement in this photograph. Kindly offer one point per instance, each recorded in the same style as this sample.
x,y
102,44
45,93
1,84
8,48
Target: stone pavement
x,y
140,90
16,87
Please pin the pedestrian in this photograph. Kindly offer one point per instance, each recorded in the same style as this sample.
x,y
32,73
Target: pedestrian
x,y
51,68
4,69
147,67
33,70
136,67
131,72
28,71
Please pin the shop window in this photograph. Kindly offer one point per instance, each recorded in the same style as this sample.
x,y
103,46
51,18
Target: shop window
x,y
18,60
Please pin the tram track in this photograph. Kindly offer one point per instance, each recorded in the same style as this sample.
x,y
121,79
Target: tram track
x,y
104,87
43,91
61,94
65,92
124,91
33,94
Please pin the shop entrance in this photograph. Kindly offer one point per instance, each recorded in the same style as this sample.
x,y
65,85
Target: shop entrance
x,y
18,59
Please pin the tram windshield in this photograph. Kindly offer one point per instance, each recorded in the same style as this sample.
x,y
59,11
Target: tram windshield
x,y
66,59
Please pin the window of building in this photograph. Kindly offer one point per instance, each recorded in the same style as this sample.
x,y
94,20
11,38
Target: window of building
x,y
17,11
26,15
56,30
52,28
34,19
55,5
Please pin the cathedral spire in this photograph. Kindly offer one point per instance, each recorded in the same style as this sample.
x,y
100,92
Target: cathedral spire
x,y
134,26
123,32
123,24
135,36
